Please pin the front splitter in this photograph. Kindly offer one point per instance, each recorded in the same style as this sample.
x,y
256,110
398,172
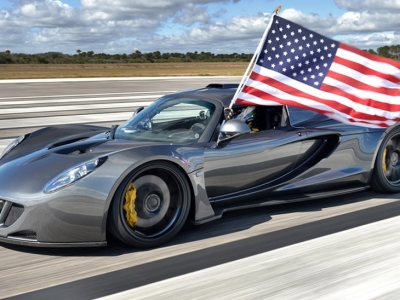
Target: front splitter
x,y
25,242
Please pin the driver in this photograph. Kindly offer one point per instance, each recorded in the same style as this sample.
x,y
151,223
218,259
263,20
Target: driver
x,y
246,115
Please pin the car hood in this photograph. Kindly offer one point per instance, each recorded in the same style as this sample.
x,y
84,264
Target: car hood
x,y
68,140
27,172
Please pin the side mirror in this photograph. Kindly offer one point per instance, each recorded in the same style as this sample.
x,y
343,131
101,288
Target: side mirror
x,y
231,129
137,110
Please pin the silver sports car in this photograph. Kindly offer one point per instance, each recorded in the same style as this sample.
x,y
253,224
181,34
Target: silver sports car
x,y
178,159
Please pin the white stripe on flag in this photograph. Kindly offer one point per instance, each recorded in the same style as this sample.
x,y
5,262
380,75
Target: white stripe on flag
x,y
312,104
311,91
363,94
334,114
371,64
371,80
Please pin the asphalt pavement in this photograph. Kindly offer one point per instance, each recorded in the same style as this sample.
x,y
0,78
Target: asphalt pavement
x,y
337,248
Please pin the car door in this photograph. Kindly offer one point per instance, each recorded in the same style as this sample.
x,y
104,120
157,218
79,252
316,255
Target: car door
x,y
251,160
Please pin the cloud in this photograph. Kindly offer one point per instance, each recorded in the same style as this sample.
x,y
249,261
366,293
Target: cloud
x,y
348,23
192,14
312,21
47,13
369,5
160,9
123,26
372,41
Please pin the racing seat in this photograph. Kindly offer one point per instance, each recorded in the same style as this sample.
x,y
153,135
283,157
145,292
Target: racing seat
x,y
269,117
262,119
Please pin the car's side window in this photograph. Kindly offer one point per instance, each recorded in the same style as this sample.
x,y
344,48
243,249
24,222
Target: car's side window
x,y
261,118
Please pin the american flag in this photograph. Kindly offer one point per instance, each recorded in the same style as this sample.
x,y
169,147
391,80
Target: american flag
x,y
299,67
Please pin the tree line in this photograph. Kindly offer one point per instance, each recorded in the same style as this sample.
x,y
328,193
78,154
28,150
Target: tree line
x,y
81,57
387,51
90,57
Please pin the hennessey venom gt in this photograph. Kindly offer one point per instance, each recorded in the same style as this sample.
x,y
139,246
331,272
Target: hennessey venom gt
x,y
178,159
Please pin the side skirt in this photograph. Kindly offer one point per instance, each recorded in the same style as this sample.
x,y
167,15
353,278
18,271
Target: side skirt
x,y
260,203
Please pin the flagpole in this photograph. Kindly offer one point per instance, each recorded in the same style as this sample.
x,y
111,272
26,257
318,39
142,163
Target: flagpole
x,y
254,58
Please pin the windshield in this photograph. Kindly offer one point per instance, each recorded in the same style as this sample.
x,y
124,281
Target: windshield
x,y
169,119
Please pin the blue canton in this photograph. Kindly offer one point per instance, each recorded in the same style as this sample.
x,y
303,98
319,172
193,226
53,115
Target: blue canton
x,y
298,53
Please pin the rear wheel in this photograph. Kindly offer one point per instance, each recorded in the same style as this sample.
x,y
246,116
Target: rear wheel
x,y
386,175
150,206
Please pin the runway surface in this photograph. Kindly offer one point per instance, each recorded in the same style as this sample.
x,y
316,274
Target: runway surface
x,y
337,248
27,105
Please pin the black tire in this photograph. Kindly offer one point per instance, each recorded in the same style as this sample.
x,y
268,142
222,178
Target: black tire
x,y
162,205
386,174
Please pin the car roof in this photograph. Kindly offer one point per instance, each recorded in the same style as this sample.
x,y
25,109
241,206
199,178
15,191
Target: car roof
x,y
223,92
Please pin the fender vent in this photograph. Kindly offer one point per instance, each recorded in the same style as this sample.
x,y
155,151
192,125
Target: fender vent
x,y
65,142
79,148
9,213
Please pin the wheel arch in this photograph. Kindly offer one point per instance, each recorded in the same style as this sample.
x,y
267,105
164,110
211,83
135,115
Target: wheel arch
x,y
376,178
196,186
378,146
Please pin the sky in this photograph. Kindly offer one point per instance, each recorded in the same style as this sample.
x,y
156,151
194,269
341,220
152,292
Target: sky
x,y
216,26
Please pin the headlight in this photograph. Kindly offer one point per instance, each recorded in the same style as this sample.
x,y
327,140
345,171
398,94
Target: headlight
x,y
12,145
73,174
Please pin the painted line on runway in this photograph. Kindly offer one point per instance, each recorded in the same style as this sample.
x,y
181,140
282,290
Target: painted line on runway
x,y
159,270
4,143
60,120
36,109
84,95
175,78
77,100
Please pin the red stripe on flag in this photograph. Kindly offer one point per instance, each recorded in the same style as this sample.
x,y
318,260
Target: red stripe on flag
x,y
267,96
297,93
362,86
365,70
370,56
367,102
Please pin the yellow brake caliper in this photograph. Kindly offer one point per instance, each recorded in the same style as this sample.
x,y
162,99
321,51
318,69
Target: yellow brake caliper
x,y
384,161
129,206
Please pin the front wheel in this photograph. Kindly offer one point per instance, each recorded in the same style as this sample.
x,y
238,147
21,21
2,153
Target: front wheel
x,y
386,174
150,206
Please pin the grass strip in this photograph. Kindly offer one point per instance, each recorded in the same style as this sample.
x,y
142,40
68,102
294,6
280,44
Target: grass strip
x,y
35,71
